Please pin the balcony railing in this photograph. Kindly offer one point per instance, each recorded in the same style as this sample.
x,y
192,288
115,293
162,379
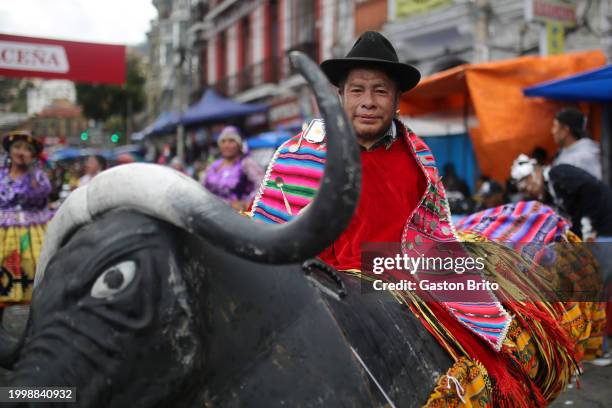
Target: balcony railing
x,y
270,70
267,71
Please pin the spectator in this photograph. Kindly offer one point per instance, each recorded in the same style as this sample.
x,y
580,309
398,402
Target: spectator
x,y
24,191
576,148
457,191
177,164
93,165
577,193
234,176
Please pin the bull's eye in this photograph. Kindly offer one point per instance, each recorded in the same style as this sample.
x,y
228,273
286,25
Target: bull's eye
x,y
113,280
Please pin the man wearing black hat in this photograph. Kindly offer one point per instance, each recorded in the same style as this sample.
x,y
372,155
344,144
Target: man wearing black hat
x,y
370,80
576,148
402,201
397,165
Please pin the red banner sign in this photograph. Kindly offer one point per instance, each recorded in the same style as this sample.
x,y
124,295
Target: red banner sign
x,y
56,59
551,10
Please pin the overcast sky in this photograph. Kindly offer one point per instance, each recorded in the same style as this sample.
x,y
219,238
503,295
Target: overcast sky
x,y
105,21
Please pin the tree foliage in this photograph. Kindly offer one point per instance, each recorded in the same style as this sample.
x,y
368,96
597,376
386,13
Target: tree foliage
x,y
100,102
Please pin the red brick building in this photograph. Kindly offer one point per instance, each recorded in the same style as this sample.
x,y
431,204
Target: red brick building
x,y
247,42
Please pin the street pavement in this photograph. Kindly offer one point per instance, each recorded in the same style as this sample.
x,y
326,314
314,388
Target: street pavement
x,y
595,389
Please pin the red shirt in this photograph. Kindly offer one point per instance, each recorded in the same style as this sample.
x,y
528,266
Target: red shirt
x,y
391,186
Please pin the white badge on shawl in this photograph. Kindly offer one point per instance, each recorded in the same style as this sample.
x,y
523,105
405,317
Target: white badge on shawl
x,y
315,133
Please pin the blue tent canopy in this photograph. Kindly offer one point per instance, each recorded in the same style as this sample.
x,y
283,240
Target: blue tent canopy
x,y
268,139
591,86
67,153
212,107
73,153
165,122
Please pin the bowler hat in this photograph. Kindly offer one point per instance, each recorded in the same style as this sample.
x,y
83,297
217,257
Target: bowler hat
x,y
372,49
25,135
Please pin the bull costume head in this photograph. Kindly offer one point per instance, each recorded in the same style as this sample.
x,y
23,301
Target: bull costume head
x,y
151,292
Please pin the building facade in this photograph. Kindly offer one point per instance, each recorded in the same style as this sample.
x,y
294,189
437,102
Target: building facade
x,y
60,122
244,47
44,92
167,85
437,34
240,47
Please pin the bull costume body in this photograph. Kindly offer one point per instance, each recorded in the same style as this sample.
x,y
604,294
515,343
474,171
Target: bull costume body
x,y
156,294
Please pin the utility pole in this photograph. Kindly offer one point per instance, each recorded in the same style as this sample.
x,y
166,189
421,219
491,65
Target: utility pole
x,y
481,30
128,127
182,102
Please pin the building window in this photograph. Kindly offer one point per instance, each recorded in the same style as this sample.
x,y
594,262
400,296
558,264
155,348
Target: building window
x,y
221,55
247,46
302,25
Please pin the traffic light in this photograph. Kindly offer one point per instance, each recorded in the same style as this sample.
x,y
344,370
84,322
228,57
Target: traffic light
x,y
115,137
84,136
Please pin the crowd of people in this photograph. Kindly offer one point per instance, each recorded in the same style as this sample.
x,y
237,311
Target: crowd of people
x,y
570,182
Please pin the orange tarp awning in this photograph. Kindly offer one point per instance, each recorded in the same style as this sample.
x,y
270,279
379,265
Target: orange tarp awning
x,y
509,123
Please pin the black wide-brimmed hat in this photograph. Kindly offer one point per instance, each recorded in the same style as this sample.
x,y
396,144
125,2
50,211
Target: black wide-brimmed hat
x,y
372,49
24,135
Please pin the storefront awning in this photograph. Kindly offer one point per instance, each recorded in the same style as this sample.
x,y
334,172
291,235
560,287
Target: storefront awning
x,y
591,86
508,122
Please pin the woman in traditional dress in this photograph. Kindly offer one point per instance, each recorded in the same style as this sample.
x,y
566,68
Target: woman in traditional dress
x,y
24,189
234,176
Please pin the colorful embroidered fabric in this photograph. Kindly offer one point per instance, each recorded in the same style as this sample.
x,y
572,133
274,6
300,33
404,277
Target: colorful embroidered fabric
x,y
21,204
535,341
536,361
291,181
23,219
534,365
466,384
233,182
19,251
580,279
431,223
537,321
522,222
568,267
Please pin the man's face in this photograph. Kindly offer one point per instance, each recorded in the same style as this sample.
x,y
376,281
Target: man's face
x,y
560,133
370,99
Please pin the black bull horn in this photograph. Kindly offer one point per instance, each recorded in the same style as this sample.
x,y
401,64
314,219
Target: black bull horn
x,y
172,197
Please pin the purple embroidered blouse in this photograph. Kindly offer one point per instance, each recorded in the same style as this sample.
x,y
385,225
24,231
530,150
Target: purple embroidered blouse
x,y
235,182
21,204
